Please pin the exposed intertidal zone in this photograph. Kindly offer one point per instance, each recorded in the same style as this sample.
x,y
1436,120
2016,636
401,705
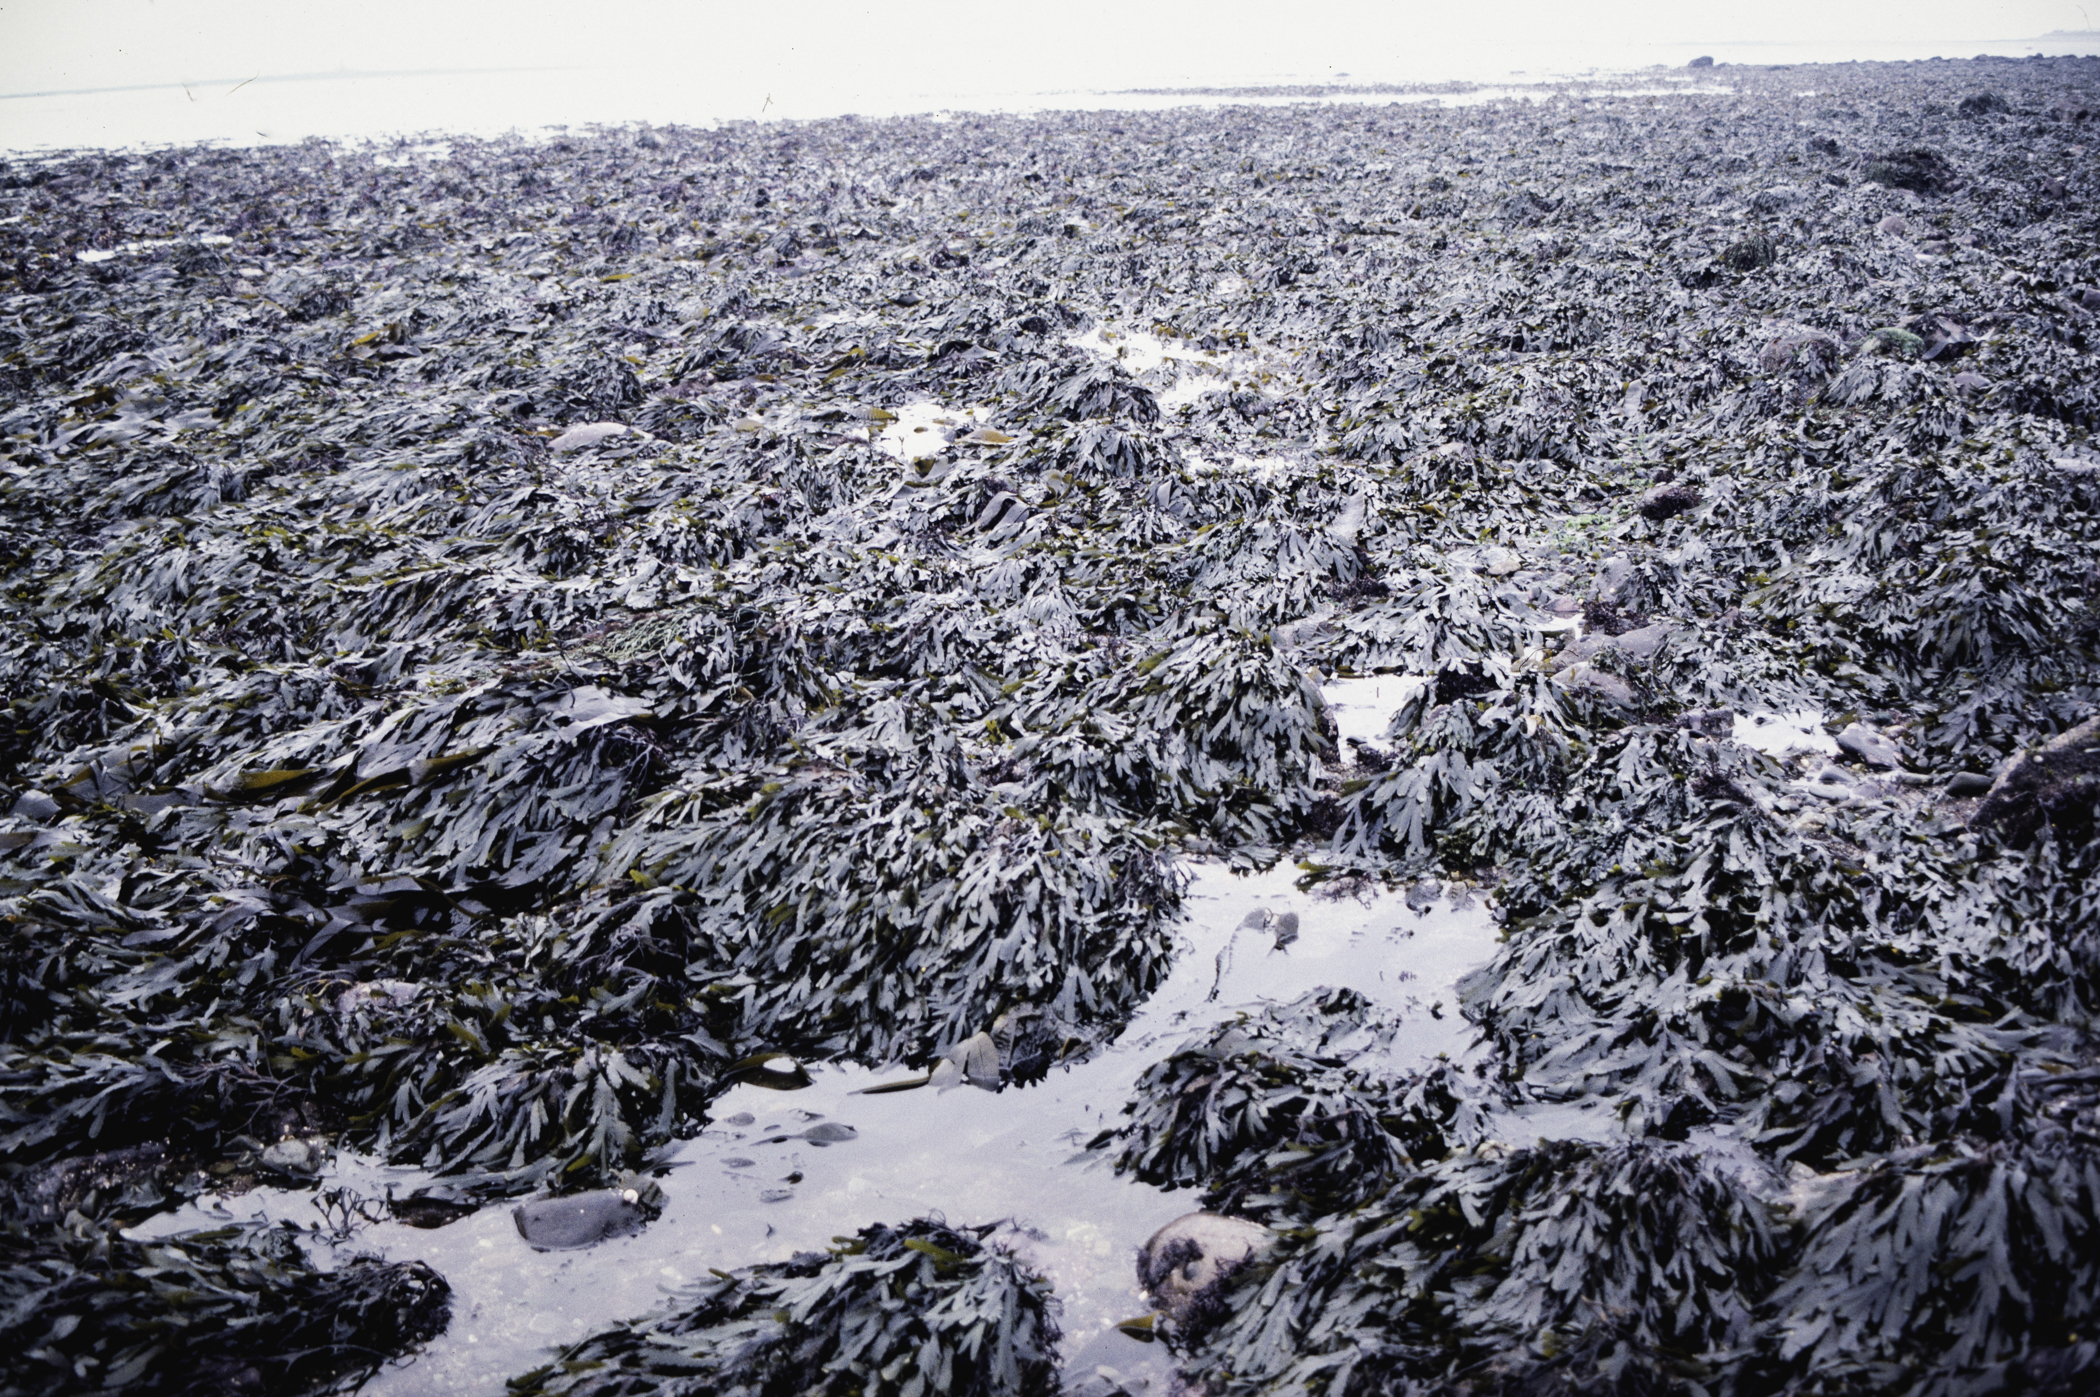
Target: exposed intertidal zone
x,y
517,649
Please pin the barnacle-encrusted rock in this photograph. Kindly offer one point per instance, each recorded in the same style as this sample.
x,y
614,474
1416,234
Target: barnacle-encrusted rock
x,y
1186,1263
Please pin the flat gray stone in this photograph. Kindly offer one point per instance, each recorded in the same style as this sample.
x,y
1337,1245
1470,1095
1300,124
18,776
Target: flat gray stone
x,y
581,1219
1872,747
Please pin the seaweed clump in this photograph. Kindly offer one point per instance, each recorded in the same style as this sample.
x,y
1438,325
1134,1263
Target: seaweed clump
x,y
913,1309
1270,1117
235,1310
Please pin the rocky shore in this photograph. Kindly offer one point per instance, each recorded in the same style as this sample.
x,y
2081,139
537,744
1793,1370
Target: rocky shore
x,y
508,641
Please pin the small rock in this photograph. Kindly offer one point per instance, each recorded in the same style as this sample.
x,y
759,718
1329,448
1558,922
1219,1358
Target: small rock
x,y
1778,199
1716,723
1870,746
1643,643
1895,225
1984,104
1704,60
1967,783
1615,580
1500,562
1829,783
1970,382
583,1219
1587,678
437,1206
1750,253
1667,501
295,1156
588,434
1188,1260
830,1133
1286,929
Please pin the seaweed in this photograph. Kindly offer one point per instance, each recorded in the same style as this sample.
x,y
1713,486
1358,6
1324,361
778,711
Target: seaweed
x,y
235,1309
514,638
917,1308
1269,1116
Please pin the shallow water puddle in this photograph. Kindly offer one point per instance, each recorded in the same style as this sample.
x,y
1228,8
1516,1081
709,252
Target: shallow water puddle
x,y
755,1187
1784,734
924,428
1178,374
1362,707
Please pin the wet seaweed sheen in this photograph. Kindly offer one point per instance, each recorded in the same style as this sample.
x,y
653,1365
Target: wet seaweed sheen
x,y
506,643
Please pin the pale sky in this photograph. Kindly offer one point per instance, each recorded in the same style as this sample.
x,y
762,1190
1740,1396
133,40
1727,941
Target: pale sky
x,y
47,44
204,69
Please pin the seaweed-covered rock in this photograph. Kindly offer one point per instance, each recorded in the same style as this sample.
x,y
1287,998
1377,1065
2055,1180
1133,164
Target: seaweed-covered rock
x,y
1928,1267
1459,1267
917,1308
1916,167
1275,1113
2057,784
235,1310
1749,254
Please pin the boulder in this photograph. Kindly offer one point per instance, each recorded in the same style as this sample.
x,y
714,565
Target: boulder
x,y
1894,225
1186,1264
1704,60
1917,169
2057,784
1984,104
586,434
